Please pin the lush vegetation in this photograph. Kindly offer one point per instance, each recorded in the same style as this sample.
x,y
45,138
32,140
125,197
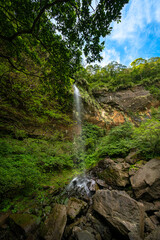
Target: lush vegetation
x,y
120,140
116,76
41,48
45,39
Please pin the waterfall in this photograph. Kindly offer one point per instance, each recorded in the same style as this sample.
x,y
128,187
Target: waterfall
x,y
80,184
77,106
78,142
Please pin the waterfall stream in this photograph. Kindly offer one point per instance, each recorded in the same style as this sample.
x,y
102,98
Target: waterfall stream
x,y
77,103
80,184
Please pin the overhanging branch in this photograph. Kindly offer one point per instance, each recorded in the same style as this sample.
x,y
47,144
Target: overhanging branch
x,y
31,30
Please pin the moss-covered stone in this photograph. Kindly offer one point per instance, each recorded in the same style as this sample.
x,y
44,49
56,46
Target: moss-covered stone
x,y
53,227
75,206
23,223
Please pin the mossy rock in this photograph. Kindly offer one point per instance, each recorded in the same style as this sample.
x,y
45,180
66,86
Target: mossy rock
x,y
23,224
109,176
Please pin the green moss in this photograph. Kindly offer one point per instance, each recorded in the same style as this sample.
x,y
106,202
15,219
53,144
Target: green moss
x,y
109,176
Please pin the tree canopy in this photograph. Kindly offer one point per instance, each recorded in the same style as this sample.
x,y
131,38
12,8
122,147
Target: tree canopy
x,y
55,32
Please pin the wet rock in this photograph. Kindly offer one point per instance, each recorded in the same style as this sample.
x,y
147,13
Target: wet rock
x,y
154,235
92,185
121,211
146,181
74,207
54,225
79,187
23,224
114,174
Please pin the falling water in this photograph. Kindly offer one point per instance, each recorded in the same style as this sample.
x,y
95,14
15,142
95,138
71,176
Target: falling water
x,y
79,184
77,104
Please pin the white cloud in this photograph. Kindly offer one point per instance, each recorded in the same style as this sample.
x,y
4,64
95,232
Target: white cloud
x,y
108,56
157,12
135,16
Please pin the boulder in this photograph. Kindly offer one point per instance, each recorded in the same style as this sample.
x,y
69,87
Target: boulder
x,y
146,181
23,224
114,174
54,225
74,207
121,211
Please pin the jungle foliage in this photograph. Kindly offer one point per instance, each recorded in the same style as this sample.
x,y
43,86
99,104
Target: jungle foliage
x,y
116,76
120,140
51,34
26,164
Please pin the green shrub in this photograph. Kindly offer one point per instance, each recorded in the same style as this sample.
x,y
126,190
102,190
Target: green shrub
x,y
117,143
23,164
90,135
147,138
57,163
18,172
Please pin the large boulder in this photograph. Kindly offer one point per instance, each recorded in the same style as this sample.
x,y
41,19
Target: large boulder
x,y
74,207
23,224
114,173
121,211
146,181
54,225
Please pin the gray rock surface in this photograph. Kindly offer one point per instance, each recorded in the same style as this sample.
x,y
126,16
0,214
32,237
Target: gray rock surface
x,y
135,99
114,174
23,223
146,181
74,207
54,225
121,211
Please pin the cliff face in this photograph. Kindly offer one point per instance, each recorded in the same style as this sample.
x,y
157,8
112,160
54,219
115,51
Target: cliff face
x,y
103,108
134,100
116,107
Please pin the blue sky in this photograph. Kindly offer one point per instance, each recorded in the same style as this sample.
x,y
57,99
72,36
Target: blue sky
x,y
138,34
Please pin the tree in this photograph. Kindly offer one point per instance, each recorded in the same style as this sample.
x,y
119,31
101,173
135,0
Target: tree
x,y
55,32
147,138
138,61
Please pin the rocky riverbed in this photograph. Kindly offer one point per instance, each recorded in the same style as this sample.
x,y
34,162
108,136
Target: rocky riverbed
x,y
116,200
